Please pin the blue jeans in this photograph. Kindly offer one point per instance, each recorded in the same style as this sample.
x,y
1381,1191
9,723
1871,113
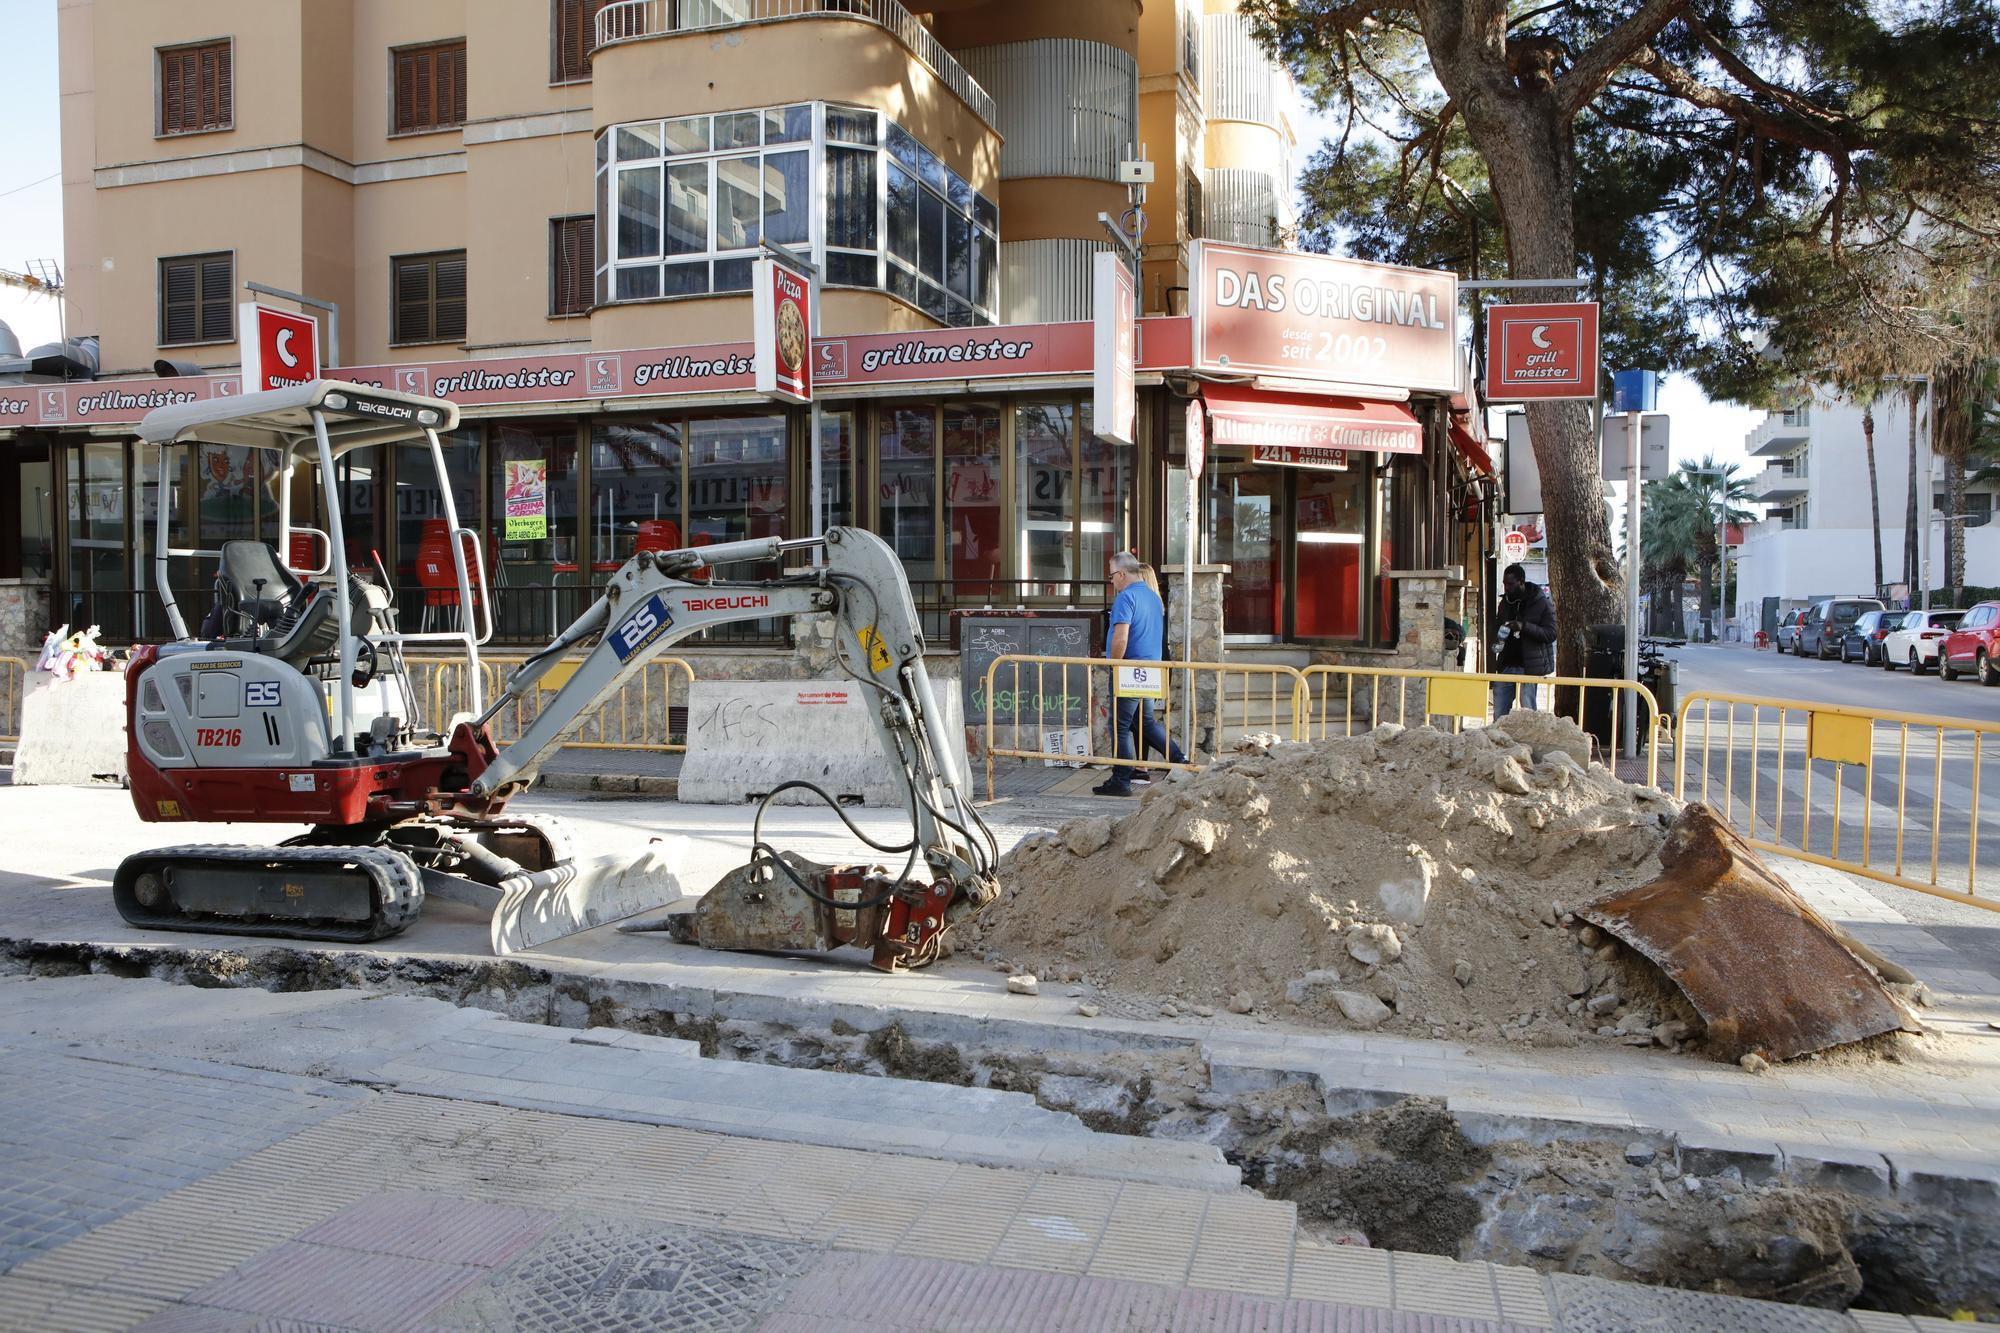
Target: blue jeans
x,y
1503,694
1135,720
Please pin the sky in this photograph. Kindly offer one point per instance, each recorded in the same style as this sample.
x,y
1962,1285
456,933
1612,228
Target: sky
x,y
31,220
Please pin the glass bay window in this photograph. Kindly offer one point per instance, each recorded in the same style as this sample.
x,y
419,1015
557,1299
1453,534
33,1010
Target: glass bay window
x,y
685,203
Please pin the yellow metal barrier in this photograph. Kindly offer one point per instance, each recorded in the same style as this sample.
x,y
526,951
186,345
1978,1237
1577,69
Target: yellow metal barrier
x,y
636,718
1384,694
1053,703
13,684
1774,751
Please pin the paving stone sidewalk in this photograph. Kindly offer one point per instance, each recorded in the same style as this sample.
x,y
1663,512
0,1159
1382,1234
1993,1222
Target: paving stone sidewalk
x,y
389,1211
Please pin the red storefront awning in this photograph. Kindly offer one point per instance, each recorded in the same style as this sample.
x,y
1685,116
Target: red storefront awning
x,y
1475,452
1307,430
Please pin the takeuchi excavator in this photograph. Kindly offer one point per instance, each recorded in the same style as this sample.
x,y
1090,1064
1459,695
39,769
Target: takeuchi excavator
x,y
294,704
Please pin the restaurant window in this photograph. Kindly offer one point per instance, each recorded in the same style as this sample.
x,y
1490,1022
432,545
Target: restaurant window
x,y
27,467
1104,488
100,570
430,297
197,299
531,526
1044,494
685,203
907,492
635,489
737,490
1330,531
429,84
426,580
973,500
572,34
572,253
836,465
197,88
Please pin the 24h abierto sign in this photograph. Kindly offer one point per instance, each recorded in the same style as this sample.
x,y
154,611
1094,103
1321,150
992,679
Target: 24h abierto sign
x,y
783,303
1311,317
1539,352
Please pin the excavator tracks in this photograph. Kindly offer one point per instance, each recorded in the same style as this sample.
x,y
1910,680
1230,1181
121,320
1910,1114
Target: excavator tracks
x,y
349,894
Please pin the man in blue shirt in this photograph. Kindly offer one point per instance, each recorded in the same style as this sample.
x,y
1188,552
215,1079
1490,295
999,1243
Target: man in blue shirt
x,y
1138,633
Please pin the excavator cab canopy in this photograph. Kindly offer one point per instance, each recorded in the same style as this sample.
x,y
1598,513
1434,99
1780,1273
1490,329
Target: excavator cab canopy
x,y
282,419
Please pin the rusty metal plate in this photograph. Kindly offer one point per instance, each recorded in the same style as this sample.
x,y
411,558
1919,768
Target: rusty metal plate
x,y
1763,969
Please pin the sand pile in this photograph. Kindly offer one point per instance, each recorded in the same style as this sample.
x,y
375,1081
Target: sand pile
x,y
1410,880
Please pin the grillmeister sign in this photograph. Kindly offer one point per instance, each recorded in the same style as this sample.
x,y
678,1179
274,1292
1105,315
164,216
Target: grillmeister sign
x,y
1310,317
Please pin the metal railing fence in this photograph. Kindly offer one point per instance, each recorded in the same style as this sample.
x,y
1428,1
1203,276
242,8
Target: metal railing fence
x,y
641,716
1891,796
13,684
1339,700
1054,703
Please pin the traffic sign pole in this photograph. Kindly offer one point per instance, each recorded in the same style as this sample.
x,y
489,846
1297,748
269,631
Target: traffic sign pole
x,y
1632,394
1197,454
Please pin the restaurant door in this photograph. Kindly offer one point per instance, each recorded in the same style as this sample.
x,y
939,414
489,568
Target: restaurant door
x,y
1297,544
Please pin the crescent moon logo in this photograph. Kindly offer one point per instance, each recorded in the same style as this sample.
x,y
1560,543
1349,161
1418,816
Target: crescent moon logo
x,y
283,344
1539,335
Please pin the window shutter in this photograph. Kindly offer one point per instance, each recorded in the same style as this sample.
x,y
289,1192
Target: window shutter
x,y
197,90
572,258
216,285
423,90
177,302
576,32
225,85
449,317
451,80
406,91
172,91
413,301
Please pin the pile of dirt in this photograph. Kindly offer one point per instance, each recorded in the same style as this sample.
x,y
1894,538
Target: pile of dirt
x,y
1406,879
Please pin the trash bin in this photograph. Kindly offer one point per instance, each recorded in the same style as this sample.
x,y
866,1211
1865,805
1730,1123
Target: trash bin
x,y
1606,662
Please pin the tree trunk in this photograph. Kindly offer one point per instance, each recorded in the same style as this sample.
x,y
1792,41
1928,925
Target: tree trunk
x,y
1530,157
1912,560
1951,434
1874,488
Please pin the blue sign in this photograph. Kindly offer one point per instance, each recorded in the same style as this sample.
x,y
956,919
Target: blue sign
x,y
640,628
1634,390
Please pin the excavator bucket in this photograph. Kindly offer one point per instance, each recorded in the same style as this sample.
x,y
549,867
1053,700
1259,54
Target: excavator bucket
x,y
1766,972
585,893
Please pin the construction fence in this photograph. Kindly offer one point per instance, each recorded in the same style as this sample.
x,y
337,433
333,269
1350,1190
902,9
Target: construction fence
x,y
1057,710
13,684
648,713
1894,797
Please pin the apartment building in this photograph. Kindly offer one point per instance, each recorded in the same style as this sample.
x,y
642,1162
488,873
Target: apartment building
x,y
548,211
1816,537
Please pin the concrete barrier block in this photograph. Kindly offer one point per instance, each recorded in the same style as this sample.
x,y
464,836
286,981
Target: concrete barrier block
x,y
744,738
72,731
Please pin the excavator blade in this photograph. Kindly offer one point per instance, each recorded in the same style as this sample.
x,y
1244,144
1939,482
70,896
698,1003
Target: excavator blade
x,y
1768,973
588,892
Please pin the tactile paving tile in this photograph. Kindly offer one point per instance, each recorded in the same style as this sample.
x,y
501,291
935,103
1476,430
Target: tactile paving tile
x,y
1597,1305
613,1276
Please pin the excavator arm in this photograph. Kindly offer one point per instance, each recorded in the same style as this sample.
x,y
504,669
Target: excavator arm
x,y
778,901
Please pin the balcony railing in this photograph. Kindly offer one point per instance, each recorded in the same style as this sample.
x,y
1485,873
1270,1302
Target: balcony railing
x,y
1781,433
636,20
1777,480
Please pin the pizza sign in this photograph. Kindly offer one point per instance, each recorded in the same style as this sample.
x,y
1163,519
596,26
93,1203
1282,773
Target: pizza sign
x,y
784,332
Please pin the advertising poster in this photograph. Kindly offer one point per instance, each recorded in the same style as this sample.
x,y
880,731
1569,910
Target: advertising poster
x,y
527,499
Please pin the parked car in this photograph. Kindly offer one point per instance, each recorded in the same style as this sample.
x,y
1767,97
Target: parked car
x,y
1786,636
1827,622
1974,645
1863,641
1914,642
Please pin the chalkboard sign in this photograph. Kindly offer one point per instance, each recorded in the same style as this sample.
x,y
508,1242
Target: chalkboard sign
x,y
986,635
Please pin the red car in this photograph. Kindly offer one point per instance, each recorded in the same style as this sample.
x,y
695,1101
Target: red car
x,y
1974,645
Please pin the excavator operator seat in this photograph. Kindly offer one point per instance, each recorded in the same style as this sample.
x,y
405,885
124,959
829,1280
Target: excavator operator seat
x,y
253,592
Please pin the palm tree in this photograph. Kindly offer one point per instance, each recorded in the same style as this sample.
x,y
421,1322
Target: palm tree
x,y
1693,502
1664,547
1874,489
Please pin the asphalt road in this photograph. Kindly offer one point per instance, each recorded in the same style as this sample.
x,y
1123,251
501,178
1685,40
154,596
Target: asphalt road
x,y
1910,778
1734,669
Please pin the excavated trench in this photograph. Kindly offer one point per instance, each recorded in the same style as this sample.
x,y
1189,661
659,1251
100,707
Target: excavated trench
x,y
1402,1173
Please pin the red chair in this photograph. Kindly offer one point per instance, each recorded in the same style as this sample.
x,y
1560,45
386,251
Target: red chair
x,y
436,576
658,534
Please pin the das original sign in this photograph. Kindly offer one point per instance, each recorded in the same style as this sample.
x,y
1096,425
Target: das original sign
x,y
1312,317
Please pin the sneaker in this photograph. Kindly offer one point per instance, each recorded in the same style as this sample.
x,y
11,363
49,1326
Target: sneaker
x,y
1113,787
1142,782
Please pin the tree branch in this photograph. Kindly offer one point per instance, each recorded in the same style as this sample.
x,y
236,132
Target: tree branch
x,y
1592,69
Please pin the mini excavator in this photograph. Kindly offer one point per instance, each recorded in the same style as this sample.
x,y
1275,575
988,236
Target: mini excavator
x,y
294,704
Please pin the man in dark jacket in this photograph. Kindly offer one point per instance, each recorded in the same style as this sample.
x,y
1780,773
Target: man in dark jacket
x,y
1524,638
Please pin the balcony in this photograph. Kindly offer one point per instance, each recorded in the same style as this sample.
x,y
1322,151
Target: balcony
x,y
638,20
1781,433
1778,481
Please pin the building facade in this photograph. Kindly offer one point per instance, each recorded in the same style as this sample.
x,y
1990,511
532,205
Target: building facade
x,y
1816,537
548,210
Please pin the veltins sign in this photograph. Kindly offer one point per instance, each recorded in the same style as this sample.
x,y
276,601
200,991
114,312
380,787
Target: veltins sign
x,y
783,304
280,349
1114,400
1311,317
1541,351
